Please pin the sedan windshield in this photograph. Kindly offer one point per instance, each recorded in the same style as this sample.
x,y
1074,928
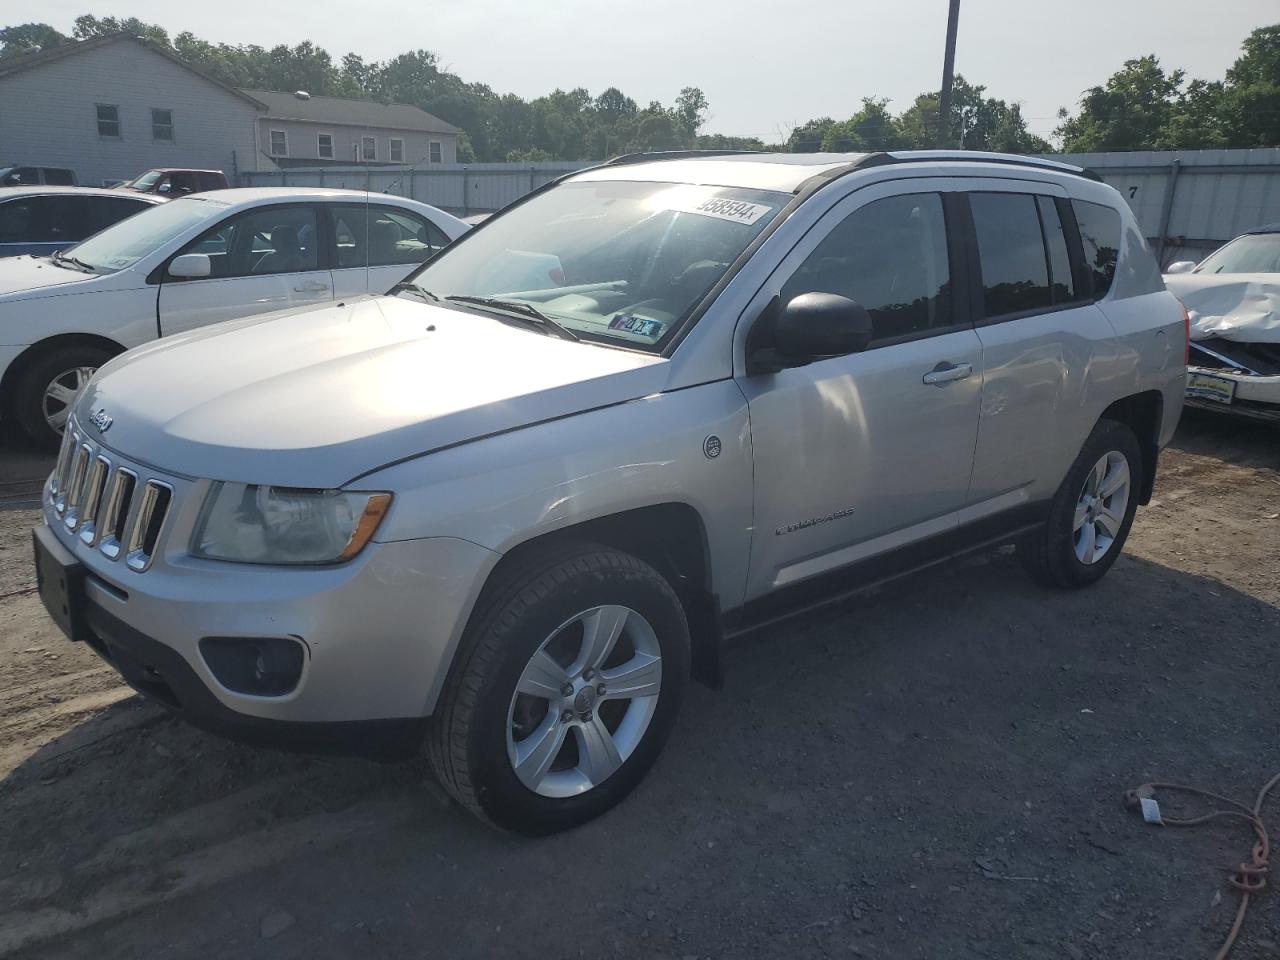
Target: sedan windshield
x,y
615,261
124,244
145,181
1252,253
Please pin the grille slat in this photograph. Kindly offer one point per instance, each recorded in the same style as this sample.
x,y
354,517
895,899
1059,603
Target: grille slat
x,y
108,505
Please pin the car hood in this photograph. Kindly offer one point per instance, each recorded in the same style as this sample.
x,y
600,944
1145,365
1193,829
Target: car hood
x,y
1244,307
24,277
316,397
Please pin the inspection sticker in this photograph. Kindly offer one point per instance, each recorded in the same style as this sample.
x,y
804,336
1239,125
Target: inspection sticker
x,y
640,326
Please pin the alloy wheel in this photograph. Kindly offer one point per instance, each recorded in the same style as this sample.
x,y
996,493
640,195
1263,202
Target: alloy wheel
x,y
584,701
1101,506
61,393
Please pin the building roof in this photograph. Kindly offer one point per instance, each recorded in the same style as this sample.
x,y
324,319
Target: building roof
x,y
38,58
337,111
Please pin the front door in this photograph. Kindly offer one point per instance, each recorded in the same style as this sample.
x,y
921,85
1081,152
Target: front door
x,y
858,454
375,247
264,259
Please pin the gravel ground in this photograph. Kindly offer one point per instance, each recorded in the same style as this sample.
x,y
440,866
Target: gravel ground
x,y
931,771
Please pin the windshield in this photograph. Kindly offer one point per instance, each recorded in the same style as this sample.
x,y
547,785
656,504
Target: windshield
x,y
148,179
620,262
1252,253
124,244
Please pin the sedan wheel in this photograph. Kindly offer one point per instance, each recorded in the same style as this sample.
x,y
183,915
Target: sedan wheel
x,y
61,393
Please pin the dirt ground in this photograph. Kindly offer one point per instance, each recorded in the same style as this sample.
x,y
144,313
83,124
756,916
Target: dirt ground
x,y
932,771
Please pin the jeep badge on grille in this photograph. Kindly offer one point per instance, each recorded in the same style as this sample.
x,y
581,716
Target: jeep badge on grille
x,y
101,419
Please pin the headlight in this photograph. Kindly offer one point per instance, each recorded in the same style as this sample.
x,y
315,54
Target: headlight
x,y
253,524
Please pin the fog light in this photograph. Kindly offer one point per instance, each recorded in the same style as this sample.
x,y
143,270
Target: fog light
x,y
258,666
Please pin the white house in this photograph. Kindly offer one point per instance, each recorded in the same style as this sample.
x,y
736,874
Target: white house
x,y
112,107
300,130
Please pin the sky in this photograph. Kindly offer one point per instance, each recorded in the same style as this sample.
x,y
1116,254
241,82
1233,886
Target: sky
x,y
764,66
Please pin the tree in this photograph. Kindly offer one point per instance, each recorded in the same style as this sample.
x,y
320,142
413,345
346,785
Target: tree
x,y
690,110
809,137
871,128
1250,102
978,122
1128,113
88,26
29,38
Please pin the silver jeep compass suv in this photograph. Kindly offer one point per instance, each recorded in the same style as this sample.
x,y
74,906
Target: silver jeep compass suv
x,y
502,514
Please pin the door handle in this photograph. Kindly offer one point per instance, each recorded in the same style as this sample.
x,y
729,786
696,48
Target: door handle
x,y
945,373
311,286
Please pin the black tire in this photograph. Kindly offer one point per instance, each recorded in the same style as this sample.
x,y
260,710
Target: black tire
x,y
1049,555
467,738
35,378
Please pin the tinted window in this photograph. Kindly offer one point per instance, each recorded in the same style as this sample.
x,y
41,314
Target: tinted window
x,y
1055,239
891,257
263,241
1100,235
58,177
102,212
1015,275
381,236
211,181
43,220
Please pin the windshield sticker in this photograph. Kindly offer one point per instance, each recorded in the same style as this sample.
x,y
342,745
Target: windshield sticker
x,y
726,208
640,326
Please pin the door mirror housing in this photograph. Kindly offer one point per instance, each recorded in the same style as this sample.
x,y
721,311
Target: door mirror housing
x,y
814,326
1182,266
191,266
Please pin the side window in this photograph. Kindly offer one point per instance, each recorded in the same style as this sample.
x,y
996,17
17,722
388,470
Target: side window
x,y
1055,240
1015,272
1100,236
42,220
382,236
891,257
104,211
58,177
260,242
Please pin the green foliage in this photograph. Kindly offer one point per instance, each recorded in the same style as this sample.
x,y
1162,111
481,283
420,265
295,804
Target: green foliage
x,y
1141,107
29,38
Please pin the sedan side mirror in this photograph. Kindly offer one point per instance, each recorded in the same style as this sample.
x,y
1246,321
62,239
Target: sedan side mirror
x,y
814,326
1182,266
191,266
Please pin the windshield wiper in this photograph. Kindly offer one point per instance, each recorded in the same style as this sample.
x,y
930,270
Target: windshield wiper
x,y
526,311
71,263
404,286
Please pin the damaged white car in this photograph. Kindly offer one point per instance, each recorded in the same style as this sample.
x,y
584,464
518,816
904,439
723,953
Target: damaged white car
x,y
1233,305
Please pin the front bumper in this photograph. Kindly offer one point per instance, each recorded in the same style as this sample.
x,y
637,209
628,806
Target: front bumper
x,y
1253,396
378,635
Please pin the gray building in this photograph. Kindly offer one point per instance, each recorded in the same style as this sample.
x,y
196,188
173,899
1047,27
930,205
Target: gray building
x,y
299,130
113,107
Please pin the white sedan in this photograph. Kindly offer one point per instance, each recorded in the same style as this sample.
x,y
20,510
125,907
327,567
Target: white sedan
x,y
191,262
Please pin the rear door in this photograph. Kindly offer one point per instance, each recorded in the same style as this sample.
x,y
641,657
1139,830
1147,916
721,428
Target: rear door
x,y
1039,331
263,259
375,246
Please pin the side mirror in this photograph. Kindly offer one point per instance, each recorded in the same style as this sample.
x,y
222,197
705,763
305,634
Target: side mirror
x,y
813,326
191,266
164,187
1182,266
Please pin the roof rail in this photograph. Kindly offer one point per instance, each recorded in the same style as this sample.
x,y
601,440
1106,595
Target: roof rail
x,y
982,156
651,155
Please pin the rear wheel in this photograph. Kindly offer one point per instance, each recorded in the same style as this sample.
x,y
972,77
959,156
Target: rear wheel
x,y
569,682
49,385
1091,513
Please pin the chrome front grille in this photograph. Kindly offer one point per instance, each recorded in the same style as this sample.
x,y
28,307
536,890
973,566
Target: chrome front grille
x,y
106,504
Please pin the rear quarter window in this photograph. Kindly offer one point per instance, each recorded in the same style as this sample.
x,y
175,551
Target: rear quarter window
x,y
1100,237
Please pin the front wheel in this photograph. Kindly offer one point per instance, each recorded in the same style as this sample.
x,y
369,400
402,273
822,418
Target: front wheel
x,y
567,685
1090,516
49,385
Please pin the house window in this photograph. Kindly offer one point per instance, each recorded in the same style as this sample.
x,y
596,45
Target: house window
x,y
279,143
396,154
368,148
324,146
109,121
161,124
436,151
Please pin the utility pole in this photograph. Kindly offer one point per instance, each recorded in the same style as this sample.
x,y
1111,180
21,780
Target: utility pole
x,y
948,68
